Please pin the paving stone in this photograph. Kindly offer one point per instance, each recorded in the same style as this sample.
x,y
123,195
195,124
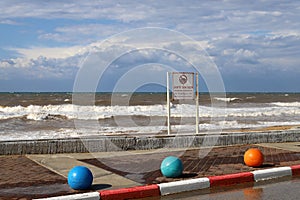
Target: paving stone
x,y
219,161
21,178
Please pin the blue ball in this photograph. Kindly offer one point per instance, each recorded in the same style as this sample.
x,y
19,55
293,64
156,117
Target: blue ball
x,y
171,167
80,178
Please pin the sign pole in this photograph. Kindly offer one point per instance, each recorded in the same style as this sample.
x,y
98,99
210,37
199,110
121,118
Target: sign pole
x,y
183,87
168,104
197,105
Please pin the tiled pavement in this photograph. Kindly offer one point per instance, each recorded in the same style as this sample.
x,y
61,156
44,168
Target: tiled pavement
x,y
22,178
21,171
218,161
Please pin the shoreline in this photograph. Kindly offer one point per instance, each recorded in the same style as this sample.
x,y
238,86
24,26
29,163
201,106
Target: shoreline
x,y
124,142
267,128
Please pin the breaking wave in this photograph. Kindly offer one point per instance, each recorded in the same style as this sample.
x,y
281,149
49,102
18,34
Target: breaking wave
x,y
69,111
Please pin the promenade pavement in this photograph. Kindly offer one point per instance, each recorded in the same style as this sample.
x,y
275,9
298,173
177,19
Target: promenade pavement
x,y
37,176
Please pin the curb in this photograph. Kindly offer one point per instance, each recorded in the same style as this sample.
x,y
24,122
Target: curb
x,y
185,185
84,196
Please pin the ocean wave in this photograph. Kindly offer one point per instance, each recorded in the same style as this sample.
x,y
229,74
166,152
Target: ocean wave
x,y
286,104
69,111
45,116
228,99
120,130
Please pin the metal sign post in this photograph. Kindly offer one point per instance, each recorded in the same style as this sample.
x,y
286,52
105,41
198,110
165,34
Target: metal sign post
x,y
197,104
168,104
183,89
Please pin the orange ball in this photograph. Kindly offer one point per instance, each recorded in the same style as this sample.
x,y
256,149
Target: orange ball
x,y
253,157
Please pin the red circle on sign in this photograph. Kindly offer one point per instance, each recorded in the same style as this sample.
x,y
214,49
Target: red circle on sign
x,y
183,79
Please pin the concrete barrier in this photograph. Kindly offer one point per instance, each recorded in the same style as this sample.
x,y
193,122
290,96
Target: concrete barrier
x,y
123,143
83,196
266,174
183,186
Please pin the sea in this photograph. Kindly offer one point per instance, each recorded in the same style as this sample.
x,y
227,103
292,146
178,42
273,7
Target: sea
x,y
32,116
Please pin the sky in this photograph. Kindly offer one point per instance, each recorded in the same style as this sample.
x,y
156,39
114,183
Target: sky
x,y
255,45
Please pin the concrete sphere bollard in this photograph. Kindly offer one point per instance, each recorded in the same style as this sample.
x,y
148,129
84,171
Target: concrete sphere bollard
x,y
253,157
171,167
80,178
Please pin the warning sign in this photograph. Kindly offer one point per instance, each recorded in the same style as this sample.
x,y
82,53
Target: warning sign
x,y
183,85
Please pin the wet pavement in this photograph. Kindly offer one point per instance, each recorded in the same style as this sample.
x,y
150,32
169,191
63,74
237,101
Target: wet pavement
x,y
279,190
37,176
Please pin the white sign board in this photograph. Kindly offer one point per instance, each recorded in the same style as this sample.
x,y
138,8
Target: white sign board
x,y
183,85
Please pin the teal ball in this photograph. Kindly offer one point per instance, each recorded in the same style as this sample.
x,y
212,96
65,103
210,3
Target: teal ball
x,y
171,167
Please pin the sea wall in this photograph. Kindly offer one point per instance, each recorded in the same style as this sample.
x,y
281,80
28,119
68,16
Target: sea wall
x,y
124,143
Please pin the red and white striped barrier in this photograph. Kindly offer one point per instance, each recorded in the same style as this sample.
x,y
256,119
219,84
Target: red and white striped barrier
x,y
84,196
185,185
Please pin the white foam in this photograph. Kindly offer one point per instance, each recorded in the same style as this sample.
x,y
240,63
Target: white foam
x,y
217,118
35,112
37,116
39,134
286,104
227,99
100,130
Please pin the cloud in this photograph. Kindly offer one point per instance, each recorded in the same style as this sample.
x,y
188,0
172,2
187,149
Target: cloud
x,y
63,63
245,56
83,33
73,9
202,20
254,38
39,68
8,22
238,54
54,52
